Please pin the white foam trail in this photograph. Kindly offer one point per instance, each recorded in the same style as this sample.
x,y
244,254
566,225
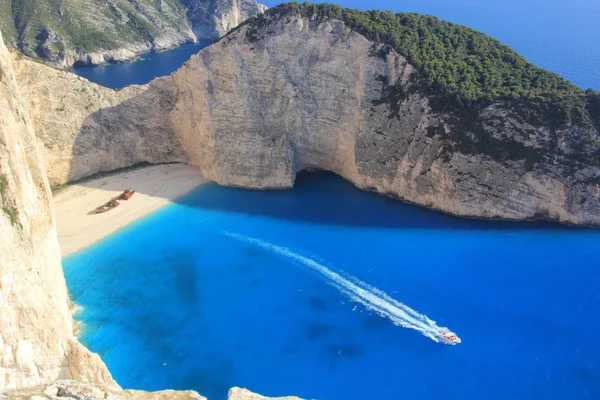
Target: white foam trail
x,y
359,291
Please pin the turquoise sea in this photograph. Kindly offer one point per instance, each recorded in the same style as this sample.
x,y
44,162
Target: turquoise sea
x,y
330,293
305,292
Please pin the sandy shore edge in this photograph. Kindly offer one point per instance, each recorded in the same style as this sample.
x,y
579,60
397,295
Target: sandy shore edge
x,y
155,186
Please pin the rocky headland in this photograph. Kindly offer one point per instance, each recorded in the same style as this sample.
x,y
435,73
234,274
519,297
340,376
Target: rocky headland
x,y
85,32
299,88
286,93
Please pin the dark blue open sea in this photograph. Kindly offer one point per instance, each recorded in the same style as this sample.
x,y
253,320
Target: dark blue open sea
x,y
558,35
142,71
307,292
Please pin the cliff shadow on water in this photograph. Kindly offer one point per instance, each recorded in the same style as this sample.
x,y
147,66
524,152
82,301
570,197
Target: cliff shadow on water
x,y
324,198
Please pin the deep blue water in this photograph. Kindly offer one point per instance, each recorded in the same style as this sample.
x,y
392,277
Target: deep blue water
x,y
558,35
176,301
148,67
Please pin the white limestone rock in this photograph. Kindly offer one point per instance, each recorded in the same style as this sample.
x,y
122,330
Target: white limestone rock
x,y
237,393
37,344
66,389
306,95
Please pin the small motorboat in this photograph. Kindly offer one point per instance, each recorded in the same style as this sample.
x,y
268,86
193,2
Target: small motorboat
x,y
126,195
448,337
113,203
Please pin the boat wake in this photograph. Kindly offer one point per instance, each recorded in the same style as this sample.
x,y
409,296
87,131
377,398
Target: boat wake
x,y
370,297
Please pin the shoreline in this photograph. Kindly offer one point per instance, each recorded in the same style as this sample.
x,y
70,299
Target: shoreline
x,y
155,186
137,57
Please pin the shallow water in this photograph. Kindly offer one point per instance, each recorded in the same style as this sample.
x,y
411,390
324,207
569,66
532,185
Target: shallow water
x,y
182,299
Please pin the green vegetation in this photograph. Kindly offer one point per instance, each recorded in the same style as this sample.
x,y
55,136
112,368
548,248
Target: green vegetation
x,y
462,71
393,95
459,67
593,107
8,209
256,25
47,28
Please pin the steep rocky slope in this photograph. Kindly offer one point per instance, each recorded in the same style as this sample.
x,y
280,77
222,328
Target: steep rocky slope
x,y
213,19
67,32
291,92
37,344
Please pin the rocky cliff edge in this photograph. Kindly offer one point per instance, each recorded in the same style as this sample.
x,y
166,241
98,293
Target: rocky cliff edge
x,y
37,344
298,93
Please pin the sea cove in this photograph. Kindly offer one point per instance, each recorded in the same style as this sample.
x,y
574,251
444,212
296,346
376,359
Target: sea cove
x,y
175,301
142,71
315,205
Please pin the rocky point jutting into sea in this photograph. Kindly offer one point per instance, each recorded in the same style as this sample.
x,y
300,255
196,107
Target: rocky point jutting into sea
x,y
92,33
297,89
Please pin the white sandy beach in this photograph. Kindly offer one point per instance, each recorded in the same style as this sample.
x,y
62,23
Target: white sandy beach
x,y
155,187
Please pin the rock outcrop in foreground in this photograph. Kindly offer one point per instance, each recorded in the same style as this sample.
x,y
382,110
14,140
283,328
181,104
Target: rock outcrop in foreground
x,y
63,390
37,344
297,92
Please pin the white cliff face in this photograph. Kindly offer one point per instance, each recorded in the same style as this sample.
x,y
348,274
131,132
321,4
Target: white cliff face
x,y
60,104
37,344
211,19
259,106
308,95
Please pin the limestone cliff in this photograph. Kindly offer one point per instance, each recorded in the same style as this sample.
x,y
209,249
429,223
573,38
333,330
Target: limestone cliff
x,y
296,93
267,101
85,32
37,344
40,358
67,111
213,19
